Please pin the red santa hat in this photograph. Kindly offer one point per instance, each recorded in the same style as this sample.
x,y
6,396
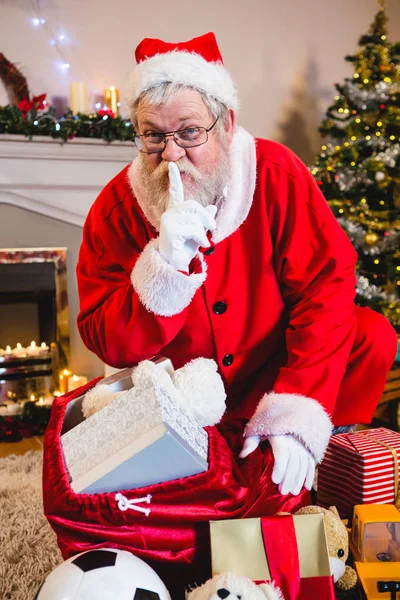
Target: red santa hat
x,y
197,63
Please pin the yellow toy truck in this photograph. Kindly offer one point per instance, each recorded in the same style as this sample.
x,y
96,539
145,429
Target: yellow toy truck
x,y
375,545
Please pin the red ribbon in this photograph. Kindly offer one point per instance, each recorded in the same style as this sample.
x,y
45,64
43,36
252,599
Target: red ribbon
x,y
282,554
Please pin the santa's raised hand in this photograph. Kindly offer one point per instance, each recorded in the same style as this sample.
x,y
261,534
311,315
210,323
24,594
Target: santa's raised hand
x,y
183,225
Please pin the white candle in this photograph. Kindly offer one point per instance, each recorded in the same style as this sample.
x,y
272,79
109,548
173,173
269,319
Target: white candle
x,y
33,350
43,348
19,351
76,381
79,97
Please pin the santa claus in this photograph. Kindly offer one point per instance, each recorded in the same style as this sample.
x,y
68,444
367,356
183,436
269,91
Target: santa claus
x,y
216,244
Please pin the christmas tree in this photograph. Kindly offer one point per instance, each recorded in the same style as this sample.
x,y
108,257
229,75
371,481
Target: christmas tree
x,y
358,168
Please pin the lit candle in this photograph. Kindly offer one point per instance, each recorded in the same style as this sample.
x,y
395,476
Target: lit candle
x,y
8,351
76,381
64,380
33,350
19,351
111,99
79,98
43,348
44,402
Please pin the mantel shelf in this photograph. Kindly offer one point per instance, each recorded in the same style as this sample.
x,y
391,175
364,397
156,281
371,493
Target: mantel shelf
x,y
58,179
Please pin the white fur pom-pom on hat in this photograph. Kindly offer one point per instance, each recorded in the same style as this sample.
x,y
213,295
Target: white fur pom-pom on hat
x,y
96,399
202,390
231,587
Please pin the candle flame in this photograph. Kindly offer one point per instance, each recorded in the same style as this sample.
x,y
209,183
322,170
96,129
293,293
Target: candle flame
x,y
57,394
41,401
32,396
33,344
75,377
66,372
19,346
8,348
43,345
112,88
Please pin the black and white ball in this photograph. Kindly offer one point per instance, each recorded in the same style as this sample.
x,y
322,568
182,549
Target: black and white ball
x,y
105,574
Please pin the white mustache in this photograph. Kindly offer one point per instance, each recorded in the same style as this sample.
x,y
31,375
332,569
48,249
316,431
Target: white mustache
x,y
183,166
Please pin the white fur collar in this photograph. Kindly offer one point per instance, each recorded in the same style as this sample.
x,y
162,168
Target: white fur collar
x,y
234,207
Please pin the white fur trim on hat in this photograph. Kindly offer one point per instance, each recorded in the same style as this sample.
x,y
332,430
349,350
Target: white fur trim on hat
x,y
303,417
162,289
184,68
203,390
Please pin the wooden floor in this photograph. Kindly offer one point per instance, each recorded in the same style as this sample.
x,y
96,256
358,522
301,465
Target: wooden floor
x,y
33,443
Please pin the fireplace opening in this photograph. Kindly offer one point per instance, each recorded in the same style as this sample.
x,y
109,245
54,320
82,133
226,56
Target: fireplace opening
x,y
27,303
34,328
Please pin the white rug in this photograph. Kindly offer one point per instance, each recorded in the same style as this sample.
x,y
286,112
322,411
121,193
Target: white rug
x,y
28,545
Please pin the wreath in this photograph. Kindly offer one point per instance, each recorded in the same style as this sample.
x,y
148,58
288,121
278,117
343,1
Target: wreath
x,y
13,80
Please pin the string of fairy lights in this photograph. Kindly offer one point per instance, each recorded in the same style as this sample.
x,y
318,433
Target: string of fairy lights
x,y
58,39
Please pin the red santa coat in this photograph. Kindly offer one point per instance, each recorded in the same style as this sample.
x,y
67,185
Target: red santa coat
x,y
272,304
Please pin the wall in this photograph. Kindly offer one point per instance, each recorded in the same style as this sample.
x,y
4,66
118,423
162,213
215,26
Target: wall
x,y
24,229
285,56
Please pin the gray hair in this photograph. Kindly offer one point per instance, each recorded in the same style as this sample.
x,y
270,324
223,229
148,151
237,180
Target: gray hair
x,y
165,92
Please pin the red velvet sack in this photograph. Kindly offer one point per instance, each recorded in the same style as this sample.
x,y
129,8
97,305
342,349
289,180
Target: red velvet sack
x,y
174,537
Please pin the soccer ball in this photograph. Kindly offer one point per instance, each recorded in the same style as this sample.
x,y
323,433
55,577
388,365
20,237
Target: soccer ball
x,y
105,574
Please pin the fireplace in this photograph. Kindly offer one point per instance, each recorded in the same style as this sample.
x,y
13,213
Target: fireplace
x,y
34,328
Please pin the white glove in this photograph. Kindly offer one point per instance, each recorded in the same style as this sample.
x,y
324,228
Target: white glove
x,y
294,465
183,225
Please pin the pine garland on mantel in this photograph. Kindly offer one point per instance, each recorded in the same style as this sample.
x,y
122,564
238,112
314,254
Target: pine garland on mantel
x,y
100,125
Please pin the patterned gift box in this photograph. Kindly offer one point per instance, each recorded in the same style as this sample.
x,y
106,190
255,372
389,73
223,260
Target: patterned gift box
x,y
143,437
290,550
360,468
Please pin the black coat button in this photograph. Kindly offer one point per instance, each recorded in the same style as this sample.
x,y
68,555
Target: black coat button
x,y
227,360
219,308
209,251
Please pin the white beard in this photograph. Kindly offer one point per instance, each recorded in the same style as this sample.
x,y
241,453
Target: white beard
x,y
203,188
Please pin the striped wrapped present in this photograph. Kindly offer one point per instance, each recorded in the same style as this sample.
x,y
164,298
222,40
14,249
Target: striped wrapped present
x,y
360,468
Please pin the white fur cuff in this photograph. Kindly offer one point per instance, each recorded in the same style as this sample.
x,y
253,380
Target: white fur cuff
x,y
162,289
305,418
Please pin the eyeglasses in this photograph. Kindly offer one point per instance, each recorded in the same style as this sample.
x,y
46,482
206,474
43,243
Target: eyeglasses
x,y
153,142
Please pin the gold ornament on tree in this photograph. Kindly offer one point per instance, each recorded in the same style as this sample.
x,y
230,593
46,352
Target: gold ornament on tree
x,y
371,238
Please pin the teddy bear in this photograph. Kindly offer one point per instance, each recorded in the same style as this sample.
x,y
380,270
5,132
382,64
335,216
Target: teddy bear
x,y
338,545
196,387
229,586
